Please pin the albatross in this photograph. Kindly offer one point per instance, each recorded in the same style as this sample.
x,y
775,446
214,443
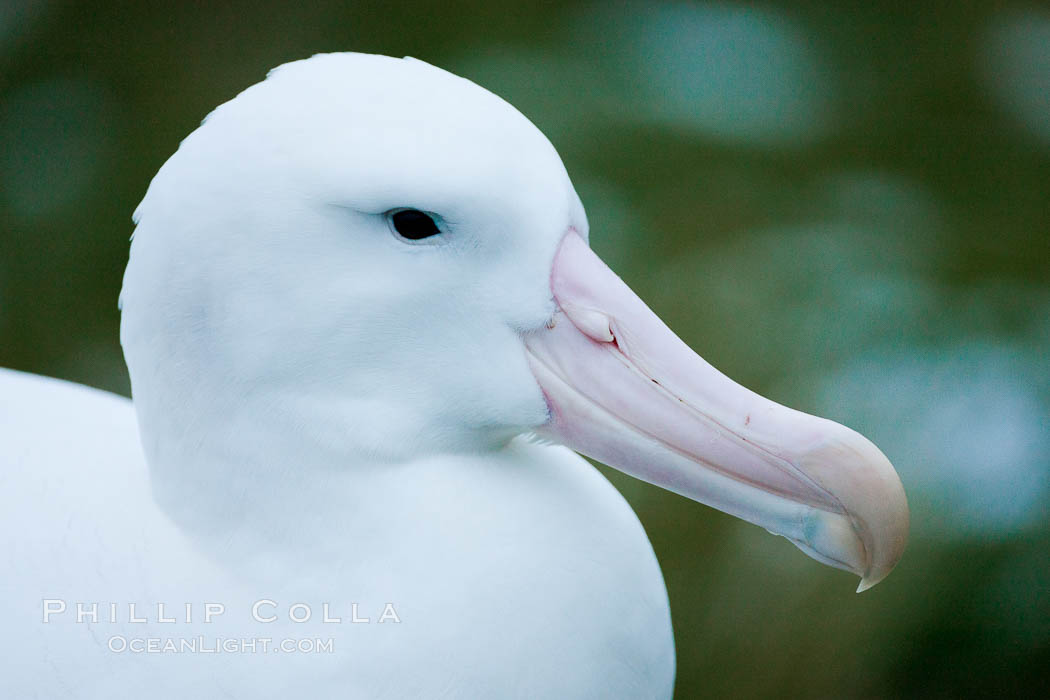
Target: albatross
x,y
367,339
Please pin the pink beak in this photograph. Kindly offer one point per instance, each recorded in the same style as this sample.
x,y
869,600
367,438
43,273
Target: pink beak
x,y
625,390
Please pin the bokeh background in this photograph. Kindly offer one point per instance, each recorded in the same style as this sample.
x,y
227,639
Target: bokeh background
x,y
847,210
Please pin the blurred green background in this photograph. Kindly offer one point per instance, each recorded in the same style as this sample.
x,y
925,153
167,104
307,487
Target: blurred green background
x,y
847,210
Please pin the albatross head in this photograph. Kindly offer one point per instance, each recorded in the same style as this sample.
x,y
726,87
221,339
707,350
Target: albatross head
x,y
382,260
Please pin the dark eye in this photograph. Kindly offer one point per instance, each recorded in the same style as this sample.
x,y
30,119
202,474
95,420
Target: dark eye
x,y
414,224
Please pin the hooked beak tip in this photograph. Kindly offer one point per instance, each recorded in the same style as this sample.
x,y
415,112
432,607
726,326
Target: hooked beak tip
x,y
866,583
872,497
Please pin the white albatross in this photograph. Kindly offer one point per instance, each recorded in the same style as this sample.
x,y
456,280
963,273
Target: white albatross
x,y
352,294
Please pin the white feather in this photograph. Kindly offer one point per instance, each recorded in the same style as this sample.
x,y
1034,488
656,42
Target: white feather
x,y
328,415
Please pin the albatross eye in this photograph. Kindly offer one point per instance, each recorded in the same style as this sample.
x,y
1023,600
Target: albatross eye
x,y
413,224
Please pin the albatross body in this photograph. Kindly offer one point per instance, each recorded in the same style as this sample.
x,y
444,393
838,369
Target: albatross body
x,y
364,328
521,573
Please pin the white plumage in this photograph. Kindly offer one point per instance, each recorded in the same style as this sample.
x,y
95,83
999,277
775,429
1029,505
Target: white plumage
x,y
333,423
324,409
